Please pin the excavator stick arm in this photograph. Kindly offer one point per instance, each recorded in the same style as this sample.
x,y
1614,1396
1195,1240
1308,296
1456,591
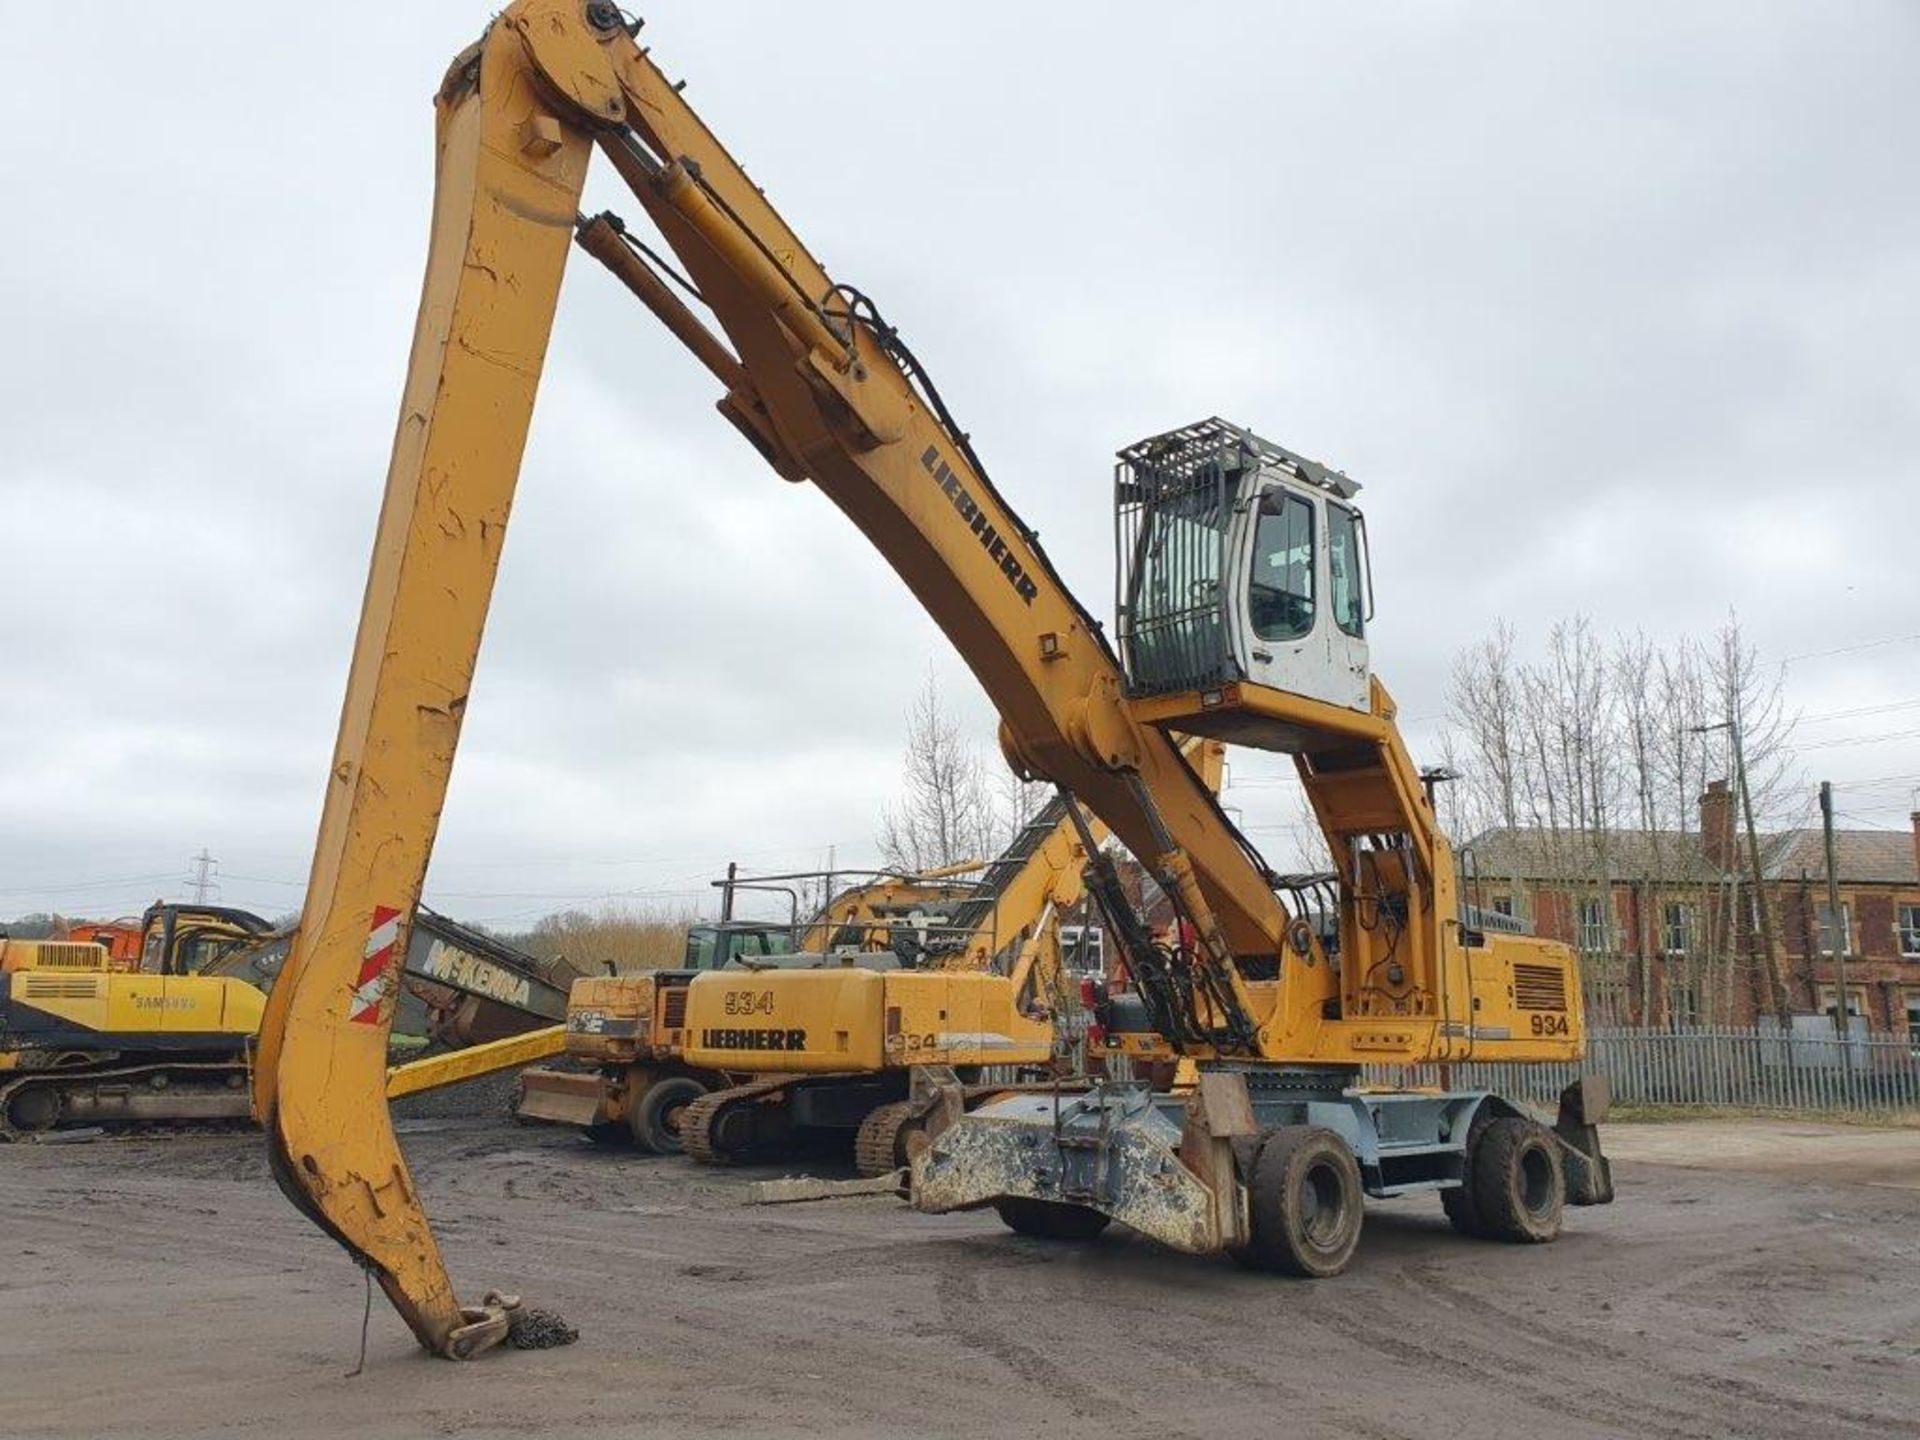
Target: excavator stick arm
x,y
507,186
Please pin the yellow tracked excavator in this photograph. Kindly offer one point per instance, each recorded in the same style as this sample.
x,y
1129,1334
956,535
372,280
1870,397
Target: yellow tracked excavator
x,y
163,1037
1242,616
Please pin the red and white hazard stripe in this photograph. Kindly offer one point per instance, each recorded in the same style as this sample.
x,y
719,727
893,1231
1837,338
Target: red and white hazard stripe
x,y
376,968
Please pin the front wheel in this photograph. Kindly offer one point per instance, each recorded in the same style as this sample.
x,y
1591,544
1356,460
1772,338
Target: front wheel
x,y
1306,1203
655,1117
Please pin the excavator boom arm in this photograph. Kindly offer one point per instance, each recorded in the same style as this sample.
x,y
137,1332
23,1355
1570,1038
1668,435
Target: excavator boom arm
x,y
825,391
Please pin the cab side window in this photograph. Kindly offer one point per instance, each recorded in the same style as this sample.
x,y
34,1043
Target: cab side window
x,y
1344,564
1280,597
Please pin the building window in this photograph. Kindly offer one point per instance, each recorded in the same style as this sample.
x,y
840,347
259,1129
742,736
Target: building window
x,y
1593,926
1909,927
1913,1014
1607,999
1856,1001
1676,930
1827,931
1683,1004
1503,905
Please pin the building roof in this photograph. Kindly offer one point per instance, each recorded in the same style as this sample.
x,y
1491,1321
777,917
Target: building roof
x,y
1883,857
1529,853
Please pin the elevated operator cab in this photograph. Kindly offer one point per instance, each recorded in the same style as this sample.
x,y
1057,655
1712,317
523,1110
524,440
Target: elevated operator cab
x,y
1241,565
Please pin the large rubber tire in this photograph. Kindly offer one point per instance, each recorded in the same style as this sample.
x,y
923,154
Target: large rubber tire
x,y
1049,1220
1519,1187
1463,1211
655,1117
1306,1202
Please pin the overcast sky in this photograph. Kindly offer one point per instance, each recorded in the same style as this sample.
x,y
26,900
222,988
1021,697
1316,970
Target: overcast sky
x,y
1610,312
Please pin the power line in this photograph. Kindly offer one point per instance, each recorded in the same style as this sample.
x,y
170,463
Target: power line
x,y
1852,649
1860,710
62,889
1871,824
1878,781
1857,739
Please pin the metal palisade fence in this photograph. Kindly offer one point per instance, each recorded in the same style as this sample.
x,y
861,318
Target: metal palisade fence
x,y
1809,1068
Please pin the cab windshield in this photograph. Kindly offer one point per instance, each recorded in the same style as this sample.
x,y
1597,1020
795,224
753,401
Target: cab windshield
x,y
1175,635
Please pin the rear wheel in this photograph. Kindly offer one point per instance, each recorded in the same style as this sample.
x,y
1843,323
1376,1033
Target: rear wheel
x,y
1306,1203
656,1117
1463,1213
1519,1187
1050,1220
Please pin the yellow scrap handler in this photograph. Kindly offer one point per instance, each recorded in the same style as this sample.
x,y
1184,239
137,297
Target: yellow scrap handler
x,y
812,1044
1242,616
626,1078
826,1046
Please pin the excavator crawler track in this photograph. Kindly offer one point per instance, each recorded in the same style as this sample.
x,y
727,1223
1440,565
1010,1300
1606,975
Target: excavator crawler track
x,y
207,1090
704,1122
879,1147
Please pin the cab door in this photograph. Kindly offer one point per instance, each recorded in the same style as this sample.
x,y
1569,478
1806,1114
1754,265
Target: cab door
x,y
1301,612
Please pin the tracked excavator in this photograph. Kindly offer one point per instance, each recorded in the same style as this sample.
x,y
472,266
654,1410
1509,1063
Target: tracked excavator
x,y
1242,615
153,1024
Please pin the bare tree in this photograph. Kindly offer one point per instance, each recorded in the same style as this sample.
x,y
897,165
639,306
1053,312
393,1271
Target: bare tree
x,y
1753,706
1014,804
945,813
1561,751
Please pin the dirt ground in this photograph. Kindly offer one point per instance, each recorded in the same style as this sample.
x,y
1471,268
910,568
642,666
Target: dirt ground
x,y
164,1288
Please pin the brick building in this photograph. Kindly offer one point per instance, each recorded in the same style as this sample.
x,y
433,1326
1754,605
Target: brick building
x,y
1669,932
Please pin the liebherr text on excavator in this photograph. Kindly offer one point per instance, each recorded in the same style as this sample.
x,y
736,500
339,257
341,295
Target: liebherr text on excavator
x,y
1242,617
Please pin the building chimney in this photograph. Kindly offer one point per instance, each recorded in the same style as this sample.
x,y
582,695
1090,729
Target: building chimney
x,y
1716,826
1915,818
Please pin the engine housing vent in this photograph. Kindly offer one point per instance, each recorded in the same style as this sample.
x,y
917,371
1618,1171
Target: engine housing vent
x,y
1539,987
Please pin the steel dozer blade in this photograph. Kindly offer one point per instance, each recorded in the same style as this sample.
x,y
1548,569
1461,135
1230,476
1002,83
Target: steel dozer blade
x,y
1111,1149
562,1097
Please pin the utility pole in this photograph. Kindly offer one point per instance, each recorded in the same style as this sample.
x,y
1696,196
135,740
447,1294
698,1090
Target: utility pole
x,y
1776,988
1839,929
203,884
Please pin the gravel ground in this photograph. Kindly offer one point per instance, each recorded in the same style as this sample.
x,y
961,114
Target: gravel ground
x,y
163,1288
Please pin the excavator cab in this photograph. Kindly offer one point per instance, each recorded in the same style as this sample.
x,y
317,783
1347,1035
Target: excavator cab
x,y
712,947
193,939
1241,564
